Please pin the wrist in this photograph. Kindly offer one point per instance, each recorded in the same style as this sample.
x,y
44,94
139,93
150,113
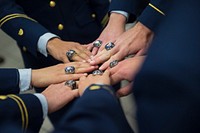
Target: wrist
x,y
119,18
51,44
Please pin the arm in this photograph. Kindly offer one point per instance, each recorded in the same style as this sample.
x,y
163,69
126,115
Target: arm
x,y
99,110
15,81
19,109
19,26
9,81
28,111
154,13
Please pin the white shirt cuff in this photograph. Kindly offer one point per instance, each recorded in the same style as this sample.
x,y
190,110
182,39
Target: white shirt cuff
x,y
43,102
42,42
24,79
122,13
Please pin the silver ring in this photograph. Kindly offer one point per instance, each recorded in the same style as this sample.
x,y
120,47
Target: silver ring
x,y
71,84
113,63
109,46
97,43
70,70
70,54
97,72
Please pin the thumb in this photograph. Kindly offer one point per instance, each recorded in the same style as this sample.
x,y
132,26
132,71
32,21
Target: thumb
x,y
124,91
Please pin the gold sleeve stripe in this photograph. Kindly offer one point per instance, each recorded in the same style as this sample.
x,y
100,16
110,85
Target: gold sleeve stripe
x,y
10,15
25,110
13,17
105,20
21,110
156,9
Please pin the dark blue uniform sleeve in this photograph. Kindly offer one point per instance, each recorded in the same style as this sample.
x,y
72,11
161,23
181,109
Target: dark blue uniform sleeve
x,y
9,81
154,13
25,30
97,111
133,7
23,110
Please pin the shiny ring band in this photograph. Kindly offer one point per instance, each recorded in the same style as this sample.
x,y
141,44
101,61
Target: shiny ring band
x,y
97,43
97,72
70,54
70,70
109,46
71,84
113,63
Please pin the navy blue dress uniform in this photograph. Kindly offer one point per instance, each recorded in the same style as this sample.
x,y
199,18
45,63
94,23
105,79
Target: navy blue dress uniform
x,y
72,20
97,111
167,89
24,110
133,7
9,81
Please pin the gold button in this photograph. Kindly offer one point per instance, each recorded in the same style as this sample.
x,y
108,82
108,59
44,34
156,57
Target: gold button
x,y
93,15
52,3
24,49
60,27
20,32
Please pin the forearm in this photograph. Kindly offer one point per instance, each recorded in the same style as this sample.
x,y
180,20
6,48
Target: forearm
x,y
154,13
20,108
25,30
103,109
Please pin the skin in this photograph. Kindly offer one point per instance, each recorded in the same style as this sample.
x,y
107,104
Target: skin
x,y
58,48
126,70
58,95
134,41
111,32
56,74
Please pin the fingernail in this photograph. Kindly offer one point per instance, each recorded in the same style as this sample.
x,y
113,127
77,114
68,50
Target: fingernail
x,y
100,68
85,74
84,61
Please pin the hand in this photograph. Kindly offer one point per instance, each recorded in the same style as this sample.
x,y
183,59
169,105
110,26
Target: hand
x,y
134,41
84,81
58,48
58,95
114,28
126,70
56,74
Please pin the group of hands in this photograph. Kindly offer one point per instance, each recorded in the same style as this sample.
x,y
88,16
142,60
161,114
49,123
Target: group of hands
x,y
88,58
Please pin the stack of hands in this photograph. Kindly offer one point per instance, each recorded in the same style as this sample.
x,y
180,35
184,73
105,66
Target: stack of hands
x,y
107,55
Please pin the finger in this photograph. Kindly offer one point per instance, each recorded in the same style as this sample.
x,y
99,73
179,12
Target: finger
x,y
83,53
75,93
124,91
74,76
77,58
102,57
85,69
82,78
94,50
85,50
106,73
89,46
107,64
65,59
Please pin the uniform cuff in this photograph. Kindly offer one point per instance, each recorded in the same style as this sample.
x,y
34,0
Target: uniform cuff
x,y
42,42
43,102
125,14
24,79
